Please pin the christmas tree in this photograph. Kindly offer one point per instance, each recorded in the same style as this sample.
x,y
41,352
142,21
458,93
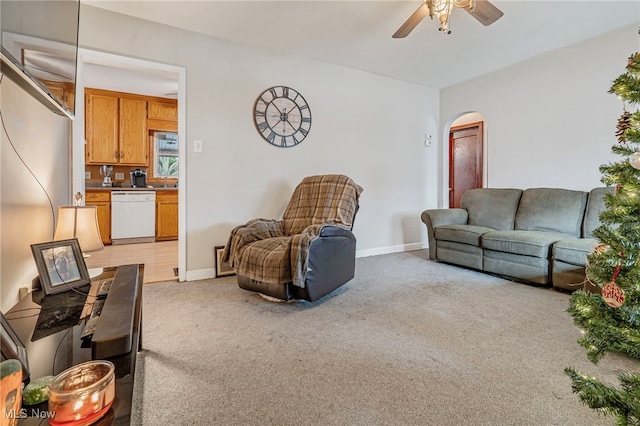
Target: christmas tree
x,y
609,313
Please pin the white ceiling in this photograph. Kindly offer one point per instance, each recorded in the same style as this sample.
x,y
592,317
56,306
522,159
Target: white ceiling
x,y
357,34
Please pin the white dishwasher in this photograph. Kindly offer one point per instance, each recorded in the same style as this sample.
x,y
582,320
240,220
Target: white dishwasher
x,y
133,217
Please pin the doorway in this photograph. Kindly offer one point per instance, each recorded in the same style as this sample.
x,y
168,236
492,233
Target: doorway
x,y
169,81
465,160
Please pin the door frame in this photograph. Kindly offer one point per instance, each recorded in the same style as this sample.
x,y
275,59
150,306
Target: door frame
x,y
466,126
78,141
456,120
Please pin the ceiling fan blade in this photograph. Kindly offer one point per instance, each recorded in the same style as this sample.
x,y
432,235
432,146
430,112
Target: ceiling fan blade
x,y
485,12
412,22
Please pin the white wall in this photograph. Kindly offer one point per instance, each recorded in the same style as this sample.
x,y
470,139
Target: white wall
x,y
550,121
41,139
368,127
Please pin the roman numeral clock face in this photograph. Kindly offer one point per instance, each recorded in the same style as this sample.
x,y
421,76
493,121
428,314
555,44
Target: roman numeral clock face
x,y
282,116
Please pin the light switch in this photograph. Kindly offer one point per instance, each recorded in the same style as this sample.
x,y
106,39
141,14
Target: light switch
x,y
119,176
197,146
87,175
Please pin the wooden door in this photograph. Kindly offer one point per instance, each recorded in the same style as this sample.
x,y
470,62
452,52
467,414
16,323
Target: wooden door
x,y
101,128
166,215
134,145
465,160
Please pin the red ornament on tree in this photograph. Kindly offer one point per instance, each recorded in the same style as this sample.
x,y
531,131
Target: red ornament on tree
x,y
613,295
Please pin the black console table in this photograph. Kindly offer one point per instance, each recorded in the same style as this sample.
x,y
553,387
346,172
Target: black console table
x,y
50,328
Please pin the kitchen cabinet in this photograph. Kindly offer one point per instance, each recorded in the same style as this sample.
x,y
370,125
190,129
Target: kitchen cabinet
x,y
102,200
166,215
163,110
162,115
66,92
115,128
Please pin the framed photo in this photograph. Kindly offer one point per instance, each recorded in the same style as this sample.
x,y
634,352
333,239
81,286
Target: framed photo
x,y
12,347
222,268
60,265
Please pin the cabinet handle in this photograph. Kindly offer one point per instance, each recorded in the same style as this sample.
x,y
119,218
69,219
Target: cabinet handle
x,y
121,155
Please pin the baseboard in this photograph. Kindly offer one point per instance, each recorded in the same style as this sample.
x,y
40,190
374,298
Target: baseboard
x,y
203,274
391,249
200,274
137,240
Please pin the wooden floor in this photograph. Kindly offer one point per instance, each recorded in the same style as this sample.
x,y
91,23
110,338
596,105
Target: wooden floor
x,y
159,259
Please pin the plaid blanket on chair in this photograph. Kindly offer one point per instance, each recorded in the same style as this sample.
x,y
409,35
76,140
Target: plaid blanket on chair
x,y
275,251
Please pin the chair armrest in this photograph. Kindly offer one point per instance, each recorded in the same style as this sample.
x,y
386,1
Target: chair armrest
x,y
334,231
301,242
437,217
254,230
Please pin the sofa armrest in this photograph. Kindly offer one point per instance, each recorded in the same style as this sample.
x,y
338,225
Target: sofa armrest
x,y
437,217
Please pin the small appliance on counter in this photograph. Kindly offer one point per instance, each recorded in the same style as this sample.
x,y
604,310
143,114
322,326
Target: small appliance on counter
x,y
106,171
138,178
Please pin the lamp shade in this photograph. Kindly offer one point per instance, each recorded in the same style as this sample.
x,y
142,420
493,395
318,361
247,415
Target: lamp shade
x,y
79,222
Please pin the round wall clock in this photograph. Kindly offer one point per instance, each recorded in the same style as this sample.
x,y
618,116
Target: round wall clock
x,y
282,116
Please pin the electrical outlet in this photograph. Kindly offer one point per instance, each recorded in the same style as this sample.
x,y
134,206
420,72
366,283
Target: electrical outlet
x,y
87,175
197,146
119,176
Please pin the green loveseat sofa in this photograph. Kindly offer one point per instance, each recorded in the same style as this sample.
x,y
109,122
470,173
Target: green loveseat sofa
x,y
536,235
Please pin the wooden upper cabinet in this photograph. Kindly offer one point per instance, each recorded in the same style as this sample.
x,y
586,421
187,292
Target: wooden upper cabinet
x,y
134,145
115,128
65,92
159,110
163,115
101,128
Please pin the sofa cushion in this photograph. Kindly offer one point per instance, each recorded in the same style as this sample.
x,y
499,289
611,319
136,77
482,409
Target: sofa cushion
x,y
518,242
527,268
573,250
551,210
460,254
491,207
595,206
467,234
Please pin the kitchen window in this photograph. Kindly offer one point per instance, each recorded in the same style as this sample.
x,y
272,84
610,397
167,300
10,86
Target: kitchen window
x,y
165,156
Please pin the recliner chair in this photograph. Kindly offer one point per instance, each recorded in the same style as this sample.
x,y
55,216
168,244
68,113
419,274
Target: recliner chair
x,y
307,254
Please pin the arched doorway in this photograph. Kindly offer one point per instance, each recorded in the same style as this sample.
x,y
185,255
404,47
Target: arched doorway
x,y
466,156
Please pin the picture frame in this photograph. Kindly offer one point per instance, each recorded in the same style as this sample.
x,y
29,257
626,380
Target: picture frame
x,y
223,269
12,347
61,266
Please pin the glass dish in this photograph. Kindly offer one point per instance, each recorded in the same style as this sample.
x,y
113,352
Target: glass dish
x,y
82,394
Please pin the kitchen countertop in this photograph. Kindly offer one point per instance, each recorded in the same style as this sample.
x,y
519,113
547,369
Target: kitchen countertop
x,y
128,188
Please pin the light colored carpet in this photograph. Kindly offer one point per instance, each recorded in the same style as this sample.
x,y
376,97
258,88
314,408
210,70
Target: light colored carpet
x,y
407,342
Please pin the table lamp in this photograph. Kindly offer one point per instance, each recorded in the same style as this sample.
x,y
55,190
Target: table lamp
x,y
80,222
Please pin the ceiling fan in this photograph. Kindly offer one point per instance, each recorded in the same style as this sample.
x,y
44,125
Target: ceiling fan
x,y
482,10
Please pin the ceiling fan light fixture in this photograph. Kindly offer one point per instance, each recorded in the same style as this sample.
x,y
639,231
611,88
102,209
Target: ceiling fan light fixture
x,y
470,4
482,10
442,9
